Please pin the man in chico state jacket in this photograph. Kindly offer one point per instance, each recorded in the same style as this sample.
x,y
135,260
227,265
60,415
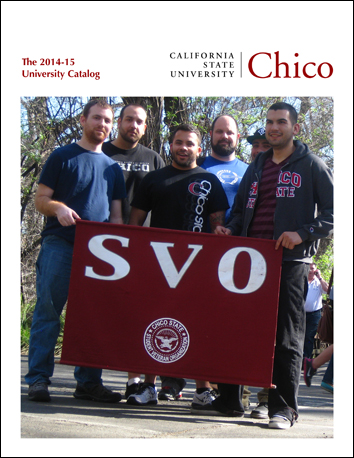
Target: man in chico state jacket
x,y
286,194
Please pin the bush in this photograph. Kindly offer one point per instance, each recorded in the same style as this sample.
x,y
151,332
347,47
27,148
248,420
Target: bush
x,y
26,323
325,263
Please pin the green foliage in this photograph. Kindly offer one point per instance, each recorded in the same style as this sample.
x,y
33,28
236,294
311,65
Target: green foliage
x,y
325,262
26,322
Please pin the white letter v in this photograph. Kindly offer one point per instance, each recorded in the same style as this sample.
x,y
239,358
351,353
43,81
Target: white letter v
x,y
173,277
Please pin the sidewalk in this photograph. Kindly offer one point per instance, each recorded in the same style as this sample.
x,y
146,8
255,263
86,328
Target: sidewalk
x,y
67,417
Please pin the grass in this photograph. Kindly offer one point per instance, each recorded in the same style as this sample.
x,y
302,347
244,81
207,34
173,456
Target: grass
x,y
26,322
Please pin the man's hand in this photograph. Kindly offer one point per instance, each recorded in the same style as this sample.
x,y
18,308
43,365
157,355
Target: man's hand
x,y
49,207
288,240
66,216
221,230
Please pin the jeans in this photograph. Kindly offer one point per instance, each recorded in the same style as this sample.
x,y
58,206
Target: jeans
x,y
289,340
312,319
53,276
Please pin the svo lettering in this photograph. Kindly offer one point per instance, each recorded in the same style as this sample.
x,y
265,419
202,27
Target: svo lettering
x,y
121,266
225,272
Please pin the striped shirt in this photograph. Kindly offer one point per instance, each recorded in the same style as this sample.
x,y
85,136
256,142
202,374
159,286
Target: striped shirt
x,y
262,225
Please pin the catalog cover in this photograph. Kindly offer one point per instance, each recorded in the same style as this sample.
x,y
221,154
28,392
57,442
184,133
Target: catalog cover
x,y
183,62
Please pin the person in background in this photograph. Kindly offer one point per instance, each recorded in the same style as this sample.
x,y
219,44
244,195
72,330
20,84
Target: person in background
x,y
311,365
313,307
259,143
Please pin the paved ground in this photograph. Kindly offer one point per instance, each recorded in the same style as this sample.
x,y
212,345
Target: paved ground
x,y
67,417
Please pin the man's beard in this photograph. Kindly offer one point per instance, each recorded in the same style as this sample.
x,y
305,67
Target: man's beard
x,y
129,139
95,137
221,150
185,164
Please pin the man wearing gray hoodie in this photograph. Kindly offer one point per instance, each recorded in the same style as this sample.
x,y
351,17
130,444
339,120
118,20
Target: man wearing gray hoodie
x,y
286,194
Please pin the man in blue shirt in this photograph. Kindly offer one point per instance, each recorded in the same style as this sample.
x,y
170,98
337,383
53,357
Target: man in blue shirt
x,y
78,182
222,161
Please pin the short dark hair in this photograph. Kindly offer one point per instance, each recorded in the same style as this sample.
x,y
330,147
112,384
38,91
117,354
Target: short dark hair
x,y
121,114
287,107
221,116
186,128
100,103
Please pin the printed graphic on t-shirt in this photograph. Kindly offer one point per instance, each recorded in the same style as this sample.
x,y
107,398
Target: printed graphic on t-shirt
x,y
227,177
197,198
134,166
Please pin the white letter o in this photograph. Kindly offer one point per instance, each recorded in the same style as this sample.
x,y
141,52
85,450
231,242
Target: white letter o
x,y
227,267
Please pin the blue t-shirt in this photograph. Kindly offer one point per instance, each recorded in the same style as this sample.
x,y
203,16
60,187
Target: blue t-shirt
x,y
230,175
85,181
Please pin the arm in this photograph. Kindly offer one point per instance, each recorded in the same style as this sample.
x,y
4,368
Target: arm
x,y
216,220
288,240
137,217
49,207
323,283
322,225
116,212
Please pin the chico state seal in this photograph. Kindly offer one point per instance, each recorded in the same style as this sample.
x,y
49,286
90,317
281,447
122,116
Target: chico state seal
x,y
166,340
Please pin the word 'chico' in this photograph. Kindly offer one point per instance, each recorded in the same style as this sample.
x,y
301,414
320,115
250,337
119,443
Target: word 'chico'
x,y
226,266
324,70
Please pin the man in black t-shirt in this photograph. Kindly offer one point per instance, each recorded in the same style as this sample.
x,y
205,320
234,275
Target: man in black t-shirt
x,y
180,196
134,159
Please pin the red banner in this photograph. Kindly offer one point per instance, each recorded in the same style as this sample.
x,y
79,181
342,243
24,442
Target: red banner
x,y
173,303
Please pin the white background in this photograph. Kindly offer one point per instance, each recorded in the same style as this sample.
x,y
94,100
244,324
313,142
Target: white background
x,y
130,43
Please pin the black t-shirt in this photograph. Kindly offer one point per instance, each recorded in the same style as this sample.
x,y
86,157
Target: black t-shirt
x,y
181,199
135,164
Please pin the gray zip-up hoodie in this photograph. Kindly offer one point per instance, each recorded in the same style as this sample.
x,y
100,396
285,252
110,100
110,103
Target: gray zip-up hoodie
x,y
304,201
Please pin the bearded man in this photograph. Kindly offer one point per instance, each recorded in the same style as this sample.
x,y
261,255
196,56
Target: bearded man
x,y
222,160
134,159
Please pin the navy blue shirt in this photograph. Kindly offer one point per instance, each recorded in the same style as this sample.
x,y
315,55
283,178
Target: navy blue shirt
x,y
85,181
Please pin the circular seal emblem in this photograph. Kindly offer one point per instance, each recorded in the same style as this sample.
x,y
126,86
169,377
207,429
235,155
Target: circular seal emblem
x,y
166,340
227,176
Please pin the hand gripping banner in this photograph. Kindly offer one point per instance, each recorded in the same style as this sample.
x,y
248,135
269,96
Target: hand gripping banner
x,y
173,303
